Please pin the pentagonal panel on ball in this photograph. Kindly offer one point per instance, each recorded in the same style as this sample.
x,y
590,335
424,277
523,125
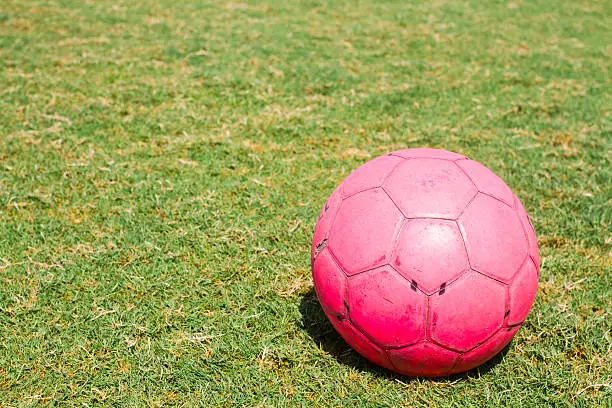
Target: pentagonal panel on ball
x,y
485,351
467,312
383,306
429,253
494,237
363,231
370,174
429,188
330,284
427,153
326,217
423,359
486,181
522,293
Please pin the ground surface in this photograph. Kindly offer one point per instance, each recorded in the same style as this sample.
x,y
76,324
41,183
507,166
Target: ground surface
x,y
162,165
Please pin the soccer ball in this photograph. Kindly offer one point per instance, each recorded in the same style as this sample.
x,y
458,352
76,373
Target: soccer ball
x,y
425,262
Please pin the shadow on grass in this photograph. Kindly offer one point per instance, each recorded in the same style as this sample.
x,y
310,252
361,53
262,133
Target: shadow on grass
x,y
318,327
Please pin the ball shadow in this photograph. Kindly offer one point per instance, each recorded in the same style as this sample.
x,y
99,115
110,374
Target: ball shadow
x,y
318,327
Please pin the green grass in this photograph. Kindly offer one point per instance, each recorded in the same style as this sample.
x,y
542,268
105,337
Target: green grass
x,y
162,164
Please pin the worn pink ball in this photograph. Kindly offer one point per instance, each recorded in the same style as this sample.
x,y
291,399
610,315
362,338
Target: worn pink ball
x,y
425,262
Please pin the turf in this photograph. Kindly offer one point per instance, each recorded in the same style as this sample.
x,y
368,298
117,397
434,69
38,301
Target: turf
x,y
162,165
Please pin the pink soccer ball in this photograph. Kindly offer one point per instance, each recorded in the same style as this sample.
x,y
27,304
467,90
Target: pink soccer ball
x,y
425,262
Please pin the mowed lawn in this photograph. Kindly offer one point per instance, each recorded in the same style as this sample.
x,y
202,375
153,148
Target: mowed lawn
x,y
162,165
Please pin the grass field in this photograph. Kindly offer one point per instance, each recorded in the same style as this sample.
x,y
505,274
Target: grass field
x,y
162,165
